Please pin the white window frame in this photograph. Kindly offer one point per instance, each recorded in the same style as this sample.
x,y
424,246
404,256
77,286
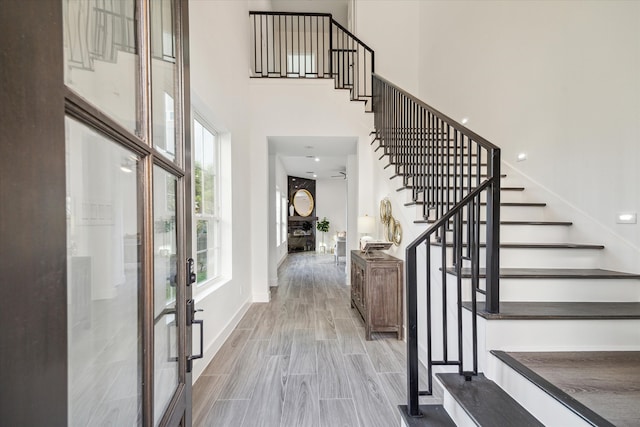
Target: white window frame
x,y
284,212
212,216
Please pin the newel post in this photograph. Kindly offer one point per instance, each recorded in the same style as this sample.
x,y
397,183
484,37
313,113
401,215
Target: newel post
x,y
493,234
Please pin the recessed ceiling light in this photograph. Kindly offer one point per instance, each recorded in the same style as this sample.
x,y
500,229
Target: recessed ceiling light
x,y
464,120
315,176
317,159
293,179
522,156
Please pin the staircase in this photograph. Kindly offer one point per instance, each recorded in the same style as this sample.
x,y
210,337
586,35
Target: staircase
x,y
498,290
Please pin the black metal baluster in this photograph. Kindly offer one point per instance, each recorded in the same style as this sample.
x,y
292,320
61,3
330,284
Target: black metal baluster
x,y
412,332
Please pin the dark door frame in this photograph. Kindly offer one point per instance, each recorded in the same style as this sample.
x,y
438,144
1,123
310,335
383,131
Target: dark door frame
x,y
33,253
33,288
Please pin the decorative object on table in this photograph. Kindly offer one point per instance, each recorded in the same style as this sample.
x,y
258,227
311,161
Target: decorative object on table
x,y
323,227
392,227
366,227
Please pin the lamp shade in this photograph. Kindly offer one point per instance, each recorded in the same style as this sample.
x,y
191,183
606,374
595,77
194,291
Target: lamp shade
x,y
366,224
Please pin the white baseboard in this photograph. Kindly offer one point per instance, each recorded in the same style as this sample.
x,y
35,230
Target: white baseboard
x,y
215,345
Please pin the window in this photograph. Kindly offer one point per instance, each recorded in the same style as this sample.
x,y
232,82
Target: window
x,y
206,204
301,64
283,223
278,216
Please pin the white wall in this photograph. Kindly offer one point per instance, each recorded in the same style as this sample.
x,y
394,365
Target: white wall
x,y
277,248
556,80
392,30
331,202
219,83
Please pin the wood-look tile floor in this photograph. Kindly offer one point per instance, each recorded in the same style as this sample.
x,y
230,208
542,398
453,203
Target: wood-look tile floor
x,y
302,360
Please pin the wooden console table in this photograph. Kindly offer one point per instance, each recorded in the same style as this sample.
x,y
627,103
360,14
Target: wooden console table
x,y
376,291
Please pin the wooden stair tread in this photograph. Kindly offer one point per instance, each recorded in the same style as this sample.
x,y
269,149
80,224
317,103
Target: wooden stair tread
x,y
432,416
578,362
409,175
551,273
486,403
541,223
410,187
561,310
535,245
507,204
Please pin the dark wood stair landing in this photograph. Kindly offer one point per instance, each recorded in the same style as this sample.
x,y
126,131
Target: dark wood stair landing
x,y
603,388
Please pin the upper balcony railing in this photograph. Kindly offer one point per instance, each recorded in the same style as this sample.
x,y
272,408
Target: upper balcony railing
x,y
310,45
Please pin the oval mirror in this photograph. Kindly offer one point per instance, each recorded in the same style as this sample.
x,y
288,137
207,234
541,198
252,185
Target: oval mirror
x,y
303,202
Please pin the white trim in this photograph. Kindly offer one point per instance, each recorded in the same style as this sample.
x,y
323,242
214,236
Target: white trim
x,y
213,348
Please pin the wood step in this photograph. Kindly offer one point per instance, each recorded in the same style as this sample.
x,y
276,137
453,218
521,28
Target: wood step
x,y
550,273
586,382
561,310
508,204
541,223
432,416
411,187
409,175
486,403
534,245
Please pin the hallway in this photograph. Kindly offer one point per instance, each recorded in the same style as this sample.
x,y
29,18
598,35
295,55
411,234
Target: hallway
x,y
301,360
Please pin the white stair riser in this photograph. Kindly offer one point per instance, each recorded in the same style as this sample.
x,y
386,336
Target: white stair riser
x,y
540,404
537,258
567,290
524,233
558,335
505,196
562,290
508,213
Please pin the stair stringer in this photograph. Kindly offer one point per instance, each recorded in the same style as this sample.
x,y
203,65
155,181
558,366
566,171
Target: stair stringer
x,y
539,403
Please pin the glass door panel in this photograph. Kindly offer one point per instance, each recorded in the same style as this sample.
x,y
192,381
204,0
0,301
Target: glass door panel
x,y
103,281
163,75
165,238
101,56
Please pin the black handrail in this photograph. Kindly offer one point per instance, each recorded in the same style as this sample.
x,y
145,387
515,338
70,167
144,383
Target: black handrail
x,y
448,168
310,45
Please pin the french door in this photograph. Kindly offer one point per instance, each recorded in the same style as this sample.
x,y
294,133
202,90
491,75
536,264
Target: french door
x,y
128,227
98,239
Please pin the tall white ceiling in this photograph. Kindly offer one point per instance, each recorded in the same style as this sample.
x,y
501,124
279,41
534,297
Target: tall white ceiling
x,y
298,155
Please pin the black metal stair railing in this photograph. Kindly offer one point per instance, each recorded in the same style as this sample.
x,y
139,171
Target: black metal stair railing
x,y
449,170
310,45
453,173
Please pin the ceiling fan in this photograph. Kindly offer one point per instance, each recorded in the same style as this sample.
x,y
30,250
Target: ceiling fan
x,y
342,175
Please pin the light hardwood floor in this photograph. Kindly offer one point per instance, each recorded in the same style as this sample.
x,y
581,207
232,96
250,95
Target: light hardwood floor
x,y
302,360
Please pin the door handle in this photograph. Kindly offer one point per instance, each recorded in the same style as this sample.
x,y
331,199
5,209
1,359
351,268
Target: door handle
x,y
191,312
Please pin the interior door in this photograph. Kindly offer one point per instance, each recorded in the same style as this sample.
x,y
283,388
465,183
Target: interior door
x,y
128,232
